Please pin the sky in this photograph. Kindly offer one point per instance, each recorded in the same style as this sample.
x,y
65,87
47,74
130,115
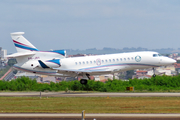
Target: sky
x,y
85,24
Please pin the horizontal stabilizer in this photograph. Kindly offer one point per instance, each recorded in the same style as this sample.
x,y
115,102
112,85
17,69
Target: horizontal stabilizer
x,y
20,54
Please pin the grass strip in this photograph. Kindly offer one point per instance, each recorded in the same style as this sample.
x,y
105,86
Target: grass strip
x,y
90,104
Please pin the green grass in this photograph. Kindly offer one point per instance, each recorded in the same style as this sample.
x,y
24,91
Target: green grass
x,y
90,104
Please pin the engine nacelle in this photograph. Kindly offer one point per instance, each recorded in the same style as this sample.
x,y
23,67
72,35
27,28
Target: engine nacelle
x,y
55,63
61,52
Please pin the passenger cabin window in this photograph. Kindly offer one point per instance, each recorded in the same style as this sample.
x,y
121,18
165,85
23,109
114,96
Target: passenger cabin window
x,y
128,58
117,59
102,61
94,62
121,59
106,60
80,63
113,60
132,58
83,62
91,62
124,58
76,63
109,60
87,62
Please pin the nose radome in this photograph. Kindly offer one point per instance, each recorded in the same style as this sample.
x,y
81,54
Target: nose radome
x,y
167,61
173,61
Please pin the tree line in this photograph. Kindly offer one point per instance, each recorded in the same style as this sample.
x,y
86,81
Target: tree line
x,y
158,83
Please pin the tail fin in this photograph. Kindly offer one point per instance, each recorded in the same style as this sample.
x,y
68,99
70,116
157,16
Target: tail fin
x,y
21,43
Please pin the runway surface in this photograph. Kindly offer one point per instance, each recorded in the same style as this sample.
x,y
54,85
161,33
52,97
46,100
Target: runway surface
x,y
86,94
87,115
45,116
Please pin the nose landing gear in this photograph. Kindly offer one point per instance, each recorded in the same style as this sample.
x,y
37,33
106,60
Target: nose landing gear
x,y
154,75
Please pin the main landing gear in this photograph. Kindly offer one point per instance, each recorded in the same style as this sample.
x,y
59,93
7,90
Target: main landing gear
x,y
83,81
85,78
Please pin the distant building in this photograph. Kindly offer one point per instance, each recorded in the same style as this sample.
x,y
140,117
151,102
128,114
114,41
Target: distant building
x,y
38,78
3,54
3,59
26,74
46,79
145,76
164,70
177,66
141,72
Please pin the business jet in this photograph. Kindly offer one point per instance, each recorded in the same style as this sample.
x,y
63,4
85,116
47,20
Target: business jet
x,y
55,62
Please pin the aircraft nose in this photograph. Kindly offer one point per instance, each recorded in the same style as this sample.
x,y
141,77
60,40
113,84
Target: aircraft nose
x,y
171,61
167,61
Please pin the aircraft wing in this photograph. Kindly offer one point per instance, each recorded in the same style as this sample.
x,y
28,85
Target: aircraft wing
x,y
90,71
82,70
71,70
19,54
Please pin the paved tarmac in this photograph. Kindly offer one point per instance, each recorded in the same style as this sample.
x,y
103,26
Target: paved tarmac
x,y
86,94
44,116
87,115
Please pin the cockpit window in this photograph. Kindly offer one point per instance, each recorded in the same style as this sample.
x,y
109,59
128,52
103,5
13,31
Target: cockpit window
x,y
159,54
155,55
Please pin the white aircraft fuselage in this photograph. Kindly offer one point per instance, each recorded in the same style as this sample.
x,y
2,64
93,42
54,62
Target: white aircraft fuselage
x,y
55,63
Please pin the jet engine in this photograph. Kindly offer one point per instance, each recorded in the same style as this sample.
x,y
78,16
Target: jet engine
x,y
61,52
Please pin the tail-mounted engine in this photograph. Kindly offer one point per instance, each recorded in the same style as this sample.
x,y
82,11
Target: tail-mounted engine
x,y
61,52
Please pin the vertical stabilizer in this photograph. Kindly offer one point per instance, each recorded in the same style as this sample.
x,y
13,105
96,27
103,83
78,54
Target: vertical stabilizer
x,y
21,43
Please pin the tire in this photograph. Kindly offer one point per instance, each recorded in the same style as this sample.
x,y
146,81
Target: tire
x,y
83,81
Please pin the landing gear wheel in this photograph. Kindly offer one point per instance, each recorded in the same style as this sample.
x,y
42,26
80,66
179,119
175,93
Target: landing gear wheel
x,y
154,75
83,81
